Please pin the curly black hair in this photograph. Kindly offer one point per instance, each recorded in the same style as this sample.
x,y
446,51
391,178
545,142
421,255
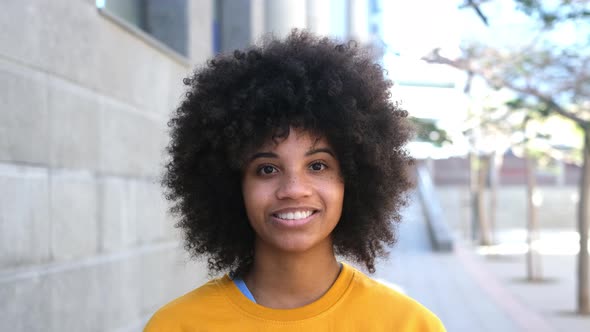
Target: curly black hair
x,y
238,101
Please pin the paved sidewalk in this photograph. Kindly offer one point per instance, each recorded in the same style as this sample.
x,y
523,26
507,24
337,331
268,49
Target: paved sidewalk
x,y
455,286
554,297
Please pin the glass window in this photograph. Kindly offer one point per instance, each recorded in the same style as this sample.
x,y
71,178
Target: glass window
x,y
166,21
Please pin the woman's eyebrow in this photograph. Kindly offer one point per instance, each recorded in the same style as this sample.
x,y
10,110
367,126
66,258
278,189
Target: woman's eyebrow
x,y
308,153
263,155
325,150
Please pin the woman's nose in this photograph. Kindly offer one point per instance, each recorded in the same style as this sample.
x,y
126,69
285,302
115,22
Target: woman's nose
x,y
293,186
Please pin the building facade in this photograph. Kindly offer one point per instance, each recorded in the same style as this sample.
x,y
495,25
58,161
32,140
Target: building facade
x,y
239,23
85,240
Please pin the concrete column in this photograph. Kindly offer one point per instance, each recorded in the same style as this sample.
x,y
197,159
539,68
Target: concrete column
x,y
318,17
283,15
358,20
200,30
256,19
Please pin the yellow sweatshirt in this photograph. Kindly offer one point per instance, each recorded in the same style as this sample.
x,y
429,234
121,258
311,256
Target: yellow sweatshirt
x,y
353,303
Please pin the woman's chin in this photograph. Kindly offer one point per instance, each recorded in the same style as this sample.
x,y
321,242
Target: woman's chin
x,y
296,244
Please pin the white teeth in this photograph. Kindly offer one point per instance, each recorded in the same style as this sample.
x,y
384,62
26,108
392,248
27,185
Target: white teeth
x,y
294,215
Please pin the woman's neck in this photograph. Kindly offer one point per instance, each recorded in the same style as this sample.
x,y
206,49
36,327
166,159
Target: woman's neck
x,y
289,280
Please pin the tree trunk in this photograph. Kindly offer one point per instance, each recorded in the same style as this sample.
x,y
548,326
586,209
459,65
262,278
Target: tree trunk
x,y
474,192
583,214
533,259
484,228
493,195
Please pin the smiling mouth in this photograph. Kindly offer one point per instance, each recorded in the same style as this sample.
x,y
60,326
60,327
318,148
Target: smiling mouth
x,y
297,215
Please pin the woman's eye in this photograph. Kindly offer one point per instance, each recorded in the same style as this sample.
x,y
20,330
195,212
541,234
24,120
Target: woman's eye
x,y
267,169
317,166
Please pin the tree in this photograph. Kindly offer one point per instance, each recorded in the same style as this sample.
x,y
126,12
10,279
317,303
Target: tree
x,y
545,71
530,156
428,131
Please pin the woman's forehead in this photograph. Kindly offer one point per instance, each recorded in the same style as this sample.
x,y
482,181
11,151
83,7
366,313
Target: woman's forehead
x,y
305,137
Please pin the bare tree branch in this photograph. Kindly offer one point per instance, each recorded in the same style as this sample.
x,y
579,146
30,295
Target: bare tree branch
x,y
478,11
499,81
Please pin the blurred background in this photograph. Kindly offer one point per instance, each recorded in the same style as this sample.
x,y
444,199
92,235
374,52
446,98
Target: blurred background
x,y
495,236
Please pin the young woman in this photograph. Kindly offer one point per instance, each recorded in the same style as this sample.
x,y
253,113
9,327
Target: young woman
x,y
282,156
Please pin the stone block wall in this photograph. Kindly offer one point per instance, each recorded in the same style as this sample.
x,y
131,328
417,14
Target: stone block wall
x,y
86,243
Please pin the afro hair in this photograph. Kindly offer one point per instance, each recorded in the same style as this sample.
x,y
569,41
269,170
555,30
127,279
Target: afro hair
x,y
238,101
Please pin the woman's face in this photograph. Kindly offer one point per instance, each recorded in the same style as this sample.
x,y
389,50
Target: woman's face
x,y
293,192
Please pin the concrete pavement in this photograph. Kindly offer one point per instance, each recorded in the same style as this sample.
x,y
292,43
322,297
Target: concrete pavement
x,y
455,286
554,297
